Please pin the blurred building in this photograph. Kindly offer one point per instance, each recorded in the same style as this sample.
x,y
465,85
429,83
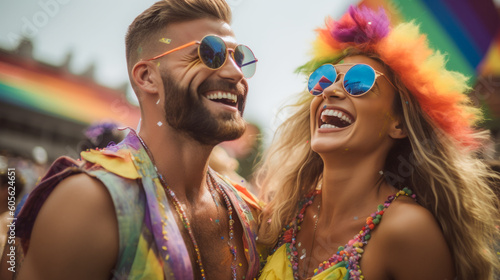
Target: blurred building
x,y
46,108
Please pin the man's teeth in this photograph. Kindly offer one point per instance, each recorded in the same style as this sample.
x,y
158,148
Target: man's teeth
x,y
338,114
223,95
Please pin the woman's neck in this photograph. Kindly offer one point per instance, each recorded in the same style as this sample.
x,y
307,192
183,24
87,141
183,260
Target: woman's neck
x,y
353,189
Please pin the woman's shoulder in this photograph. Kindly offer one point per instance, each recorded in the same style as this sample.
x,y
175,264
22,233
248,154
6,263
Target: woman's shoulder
x,y
405,226
413,239
406,217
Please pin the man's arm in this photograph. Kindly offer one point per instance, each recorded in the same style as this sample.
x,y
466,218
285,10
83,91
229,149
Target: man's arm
x,y
75,235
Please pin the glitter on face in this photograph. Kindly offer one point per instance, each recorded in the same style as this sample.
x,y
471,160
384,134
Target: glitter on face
x,y
166,40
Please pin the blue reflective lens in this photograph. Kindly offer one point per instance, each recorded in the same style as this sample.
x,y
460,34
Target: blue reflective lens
x,y
246,60
321,78
359,79
213,51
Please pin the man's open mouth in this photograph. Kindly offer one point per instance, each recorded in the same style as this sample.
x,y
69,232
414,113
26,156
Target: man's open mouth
x,y
331,118
227,98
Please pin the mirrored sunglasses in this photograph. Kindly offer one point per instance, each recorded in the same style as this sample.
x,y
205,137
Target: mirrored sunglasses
x,y
212,51
358,80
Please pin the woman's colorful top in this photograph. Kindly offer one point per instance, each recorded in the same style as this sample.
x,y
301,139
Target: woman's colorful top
x,y
151,245
343,265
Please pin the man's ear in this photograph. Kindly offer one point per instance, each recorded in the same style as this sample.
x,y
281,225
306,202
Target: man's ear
x,y
146,76
397,130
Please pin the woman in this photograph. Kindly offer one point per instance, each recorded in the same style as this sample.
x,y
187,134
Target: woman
x,y
384,131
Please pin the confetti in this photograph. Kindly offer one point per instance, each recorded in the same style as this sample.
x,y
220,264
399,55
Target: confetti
x,y
166,40
159,123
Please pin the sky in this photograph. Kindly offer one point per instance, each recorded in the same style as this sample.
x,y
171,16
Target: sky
x,y
278,31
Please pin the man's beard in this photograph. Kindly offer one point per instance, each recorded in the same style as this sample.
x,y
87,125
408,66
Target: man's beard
x,y
187,114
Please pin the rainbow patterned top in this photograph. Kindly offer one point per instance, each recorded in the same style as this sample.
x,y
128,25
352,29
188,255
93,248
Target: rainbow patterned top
x,y
151,245
343,265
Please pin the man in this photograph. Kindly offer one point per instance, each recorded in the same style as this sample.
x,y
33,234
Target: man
x,y
150,207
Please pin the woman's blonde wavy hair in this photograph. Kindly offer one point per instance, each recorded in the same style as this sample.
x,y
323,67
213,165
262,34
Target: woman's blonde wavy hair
x,y
449,180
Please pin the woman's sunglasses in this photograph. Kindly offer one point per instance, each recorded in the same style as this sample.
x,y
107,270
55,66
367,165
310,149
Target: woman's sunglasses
x,y
213,51
358,80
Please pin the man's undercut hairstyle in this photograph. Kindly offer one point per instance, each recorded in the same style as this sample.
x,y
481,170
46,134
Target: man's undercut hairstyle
x,y
165,12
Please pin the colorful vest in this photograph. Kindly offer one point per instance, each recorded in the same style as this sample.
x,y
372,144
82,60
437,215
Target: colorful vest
x,y
151,245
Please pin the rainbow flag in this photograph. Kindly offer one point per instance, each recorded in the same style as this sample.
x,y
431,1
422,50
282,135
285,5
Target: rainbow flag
x,y
464,29
54,92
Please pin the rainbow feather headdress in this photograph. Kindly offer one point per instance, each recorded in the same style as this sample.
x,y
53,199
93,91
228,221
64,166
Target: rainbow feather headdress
x,y
439,92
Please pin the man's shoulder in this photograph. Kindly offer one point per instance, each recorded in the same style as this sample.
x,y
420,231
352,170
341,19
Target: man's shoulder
x,y
68,190
81,183
79,209
79,191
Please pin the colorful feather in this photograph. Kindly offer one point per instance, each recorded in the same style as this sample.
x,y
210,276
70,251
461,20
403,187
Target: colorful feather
x,y
361,26
440,93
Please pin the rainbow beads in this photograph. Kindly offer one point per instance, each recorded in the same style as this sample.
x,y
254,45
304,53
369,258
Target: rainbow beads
x,y
347,256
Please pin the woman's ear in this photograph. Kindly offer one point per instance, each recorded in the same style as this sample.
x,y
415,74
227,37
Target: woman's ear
x,y
397,130
146,76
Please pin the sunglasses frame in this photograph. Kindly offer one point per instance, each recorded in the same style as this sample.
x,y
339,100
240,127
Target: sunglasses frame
x,y
228,50
377,74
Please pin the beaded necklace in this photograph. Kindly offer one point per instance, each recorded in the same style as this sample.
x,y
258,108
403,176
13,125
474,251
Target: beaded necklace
x,y
351,253
290,232
185,221
230,243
